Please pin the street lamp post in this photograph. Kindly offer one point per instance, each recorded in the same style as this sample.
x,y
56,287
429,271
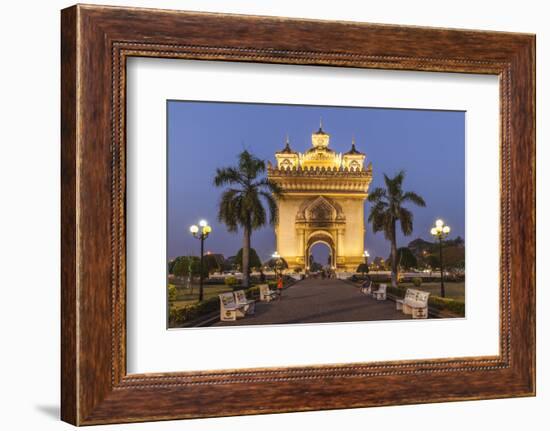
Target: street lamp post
x,y
366,256
278,263
201,232
440,231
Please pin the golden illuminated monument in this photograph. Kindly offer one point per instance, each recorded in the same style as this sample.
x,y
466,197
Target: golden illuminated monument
x,y
322,202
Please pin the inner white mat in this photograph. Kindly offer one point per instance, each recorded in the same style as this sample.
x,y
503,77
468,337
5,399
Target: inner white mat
x,y
153,348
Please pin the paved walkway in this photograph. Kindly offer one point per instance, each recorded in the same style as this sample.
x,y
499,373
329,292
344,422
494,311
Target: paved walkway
x,y
320,301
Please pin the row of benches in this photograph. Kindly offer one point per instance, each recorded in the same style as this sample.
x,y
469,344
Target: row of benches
x,y
415,302
234,305
378,294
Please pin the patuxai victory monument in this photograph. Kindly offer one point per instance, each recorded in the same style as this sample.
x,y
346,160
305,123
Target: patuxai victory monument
x,y
322,201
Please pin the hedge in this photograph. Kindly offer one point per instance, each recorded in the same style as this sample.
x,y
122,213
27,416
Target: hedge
x,y
398,292
453,305
447,304
181,316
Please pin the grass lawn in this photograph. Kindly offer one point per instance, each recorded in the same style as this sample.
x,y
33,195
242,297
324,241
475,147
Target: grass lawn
x,y
185,297
453,290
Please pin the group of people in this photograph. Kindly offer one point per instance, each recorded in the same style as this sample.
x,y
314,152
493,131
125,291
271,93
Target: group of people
x,y
324,273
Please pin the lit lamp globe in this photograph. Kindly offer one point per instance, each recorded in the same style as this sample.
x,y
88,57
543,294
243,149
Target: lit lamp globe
x,y
446,230
194,229
206,229
203,223
439,223
433,231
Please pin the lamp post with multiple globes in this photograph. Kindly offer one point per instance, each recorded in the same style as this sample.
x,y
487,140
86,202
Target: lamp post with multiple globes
x,y
440,231
201,232
366,256
278,268
278,262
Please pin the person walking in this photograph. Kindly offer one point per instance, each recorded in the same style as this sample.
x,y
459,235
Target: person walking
x,y
280,286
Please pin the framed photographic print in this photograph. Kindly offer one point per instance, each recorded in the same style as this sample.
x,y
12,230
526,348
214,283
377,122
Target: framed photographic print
x,y
287,207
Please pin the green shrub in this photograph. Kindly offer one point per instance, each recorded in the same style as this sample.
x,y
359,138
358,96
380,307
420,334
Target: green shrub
x,y
172,293
188,313
253,292
380,278
417,281
453,305
362,268
398,292
231,281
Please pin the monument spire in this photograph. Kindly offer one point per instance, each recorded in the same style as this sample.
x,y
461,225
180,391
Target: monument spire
x,y
287,148
353,150
320,131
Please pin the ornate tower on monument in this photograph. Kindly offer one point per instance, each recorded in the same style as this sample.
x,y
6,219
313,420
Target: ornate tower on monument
x,y
323,202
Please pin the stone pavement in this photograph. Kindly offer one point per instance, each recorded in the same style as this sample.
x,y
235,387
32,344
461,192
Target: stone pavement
x,y
320,301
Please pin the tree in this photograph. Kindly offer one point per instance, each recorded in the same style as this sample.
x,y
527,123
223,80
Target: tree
x,y
172,263
272,263
179,266
388,209
432,261
187,266
406,258
379,262
363,268
253,260
230,263
454,257
242,203
213,262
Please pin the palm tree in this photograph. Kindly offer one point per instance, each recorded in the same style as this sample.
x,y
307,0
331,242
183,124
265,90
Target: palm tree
x,y
388,209
242,203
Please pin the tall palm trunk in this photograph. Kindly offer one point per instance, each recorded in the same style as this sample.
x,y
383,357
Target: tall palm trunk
x,y
246,256
388,209
393,256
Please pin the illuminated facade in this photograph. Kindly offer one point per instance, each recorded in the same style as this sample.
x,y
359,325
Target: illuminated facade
x,y
323,202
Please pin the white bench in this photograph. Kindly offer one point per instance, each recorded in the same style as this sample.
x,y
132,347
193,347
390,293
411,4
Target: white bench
x,y
415,303
266,294
229,309
380,293
249,304
366,289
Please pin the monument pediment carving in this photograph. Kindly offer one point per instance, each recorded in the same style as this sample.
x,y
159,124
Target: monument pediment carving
x,y
320,209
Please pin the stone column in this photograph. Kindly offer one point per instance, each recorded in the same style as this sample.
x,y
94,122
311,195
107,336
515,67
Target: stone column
x,y
304,248
339,245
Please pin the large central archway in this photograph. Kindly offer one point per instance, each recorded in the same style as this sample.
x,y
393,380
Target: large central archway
x,y
321,237
321,253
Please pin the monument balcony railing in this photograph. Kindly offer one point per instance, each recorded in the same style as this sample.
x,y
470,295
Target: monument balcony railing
x,y
317,170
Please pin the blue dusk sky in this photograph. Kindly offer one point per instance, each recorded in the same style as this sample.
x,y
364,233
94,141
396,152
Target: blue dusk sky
x,y
428,145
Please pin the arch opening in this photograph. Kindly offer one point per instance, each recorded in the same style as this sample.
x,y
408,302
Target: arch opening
x,y
320,256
